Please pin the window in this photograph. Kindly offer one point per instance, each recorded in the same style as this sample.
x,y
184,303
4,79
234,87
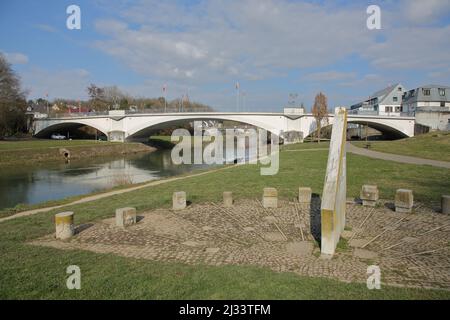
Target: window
x,y
388,109
398,109
442,92
395,99
442,104
399,89
426,92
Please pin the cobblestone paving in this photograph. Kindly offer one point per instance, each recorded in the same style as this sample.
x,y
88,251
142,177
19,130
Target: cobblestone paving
x,y
410,249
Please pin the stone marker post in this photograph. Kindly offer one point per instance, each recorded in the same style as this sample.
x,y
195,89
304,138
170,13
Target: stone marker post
x,y
369,195
304,195
125,217
404,201
270,198
227,199
179,200
64,225
445,204
334,193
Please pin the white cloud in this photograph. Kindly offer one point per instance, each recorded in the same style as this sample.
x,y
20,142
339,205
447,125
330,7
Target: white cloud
x,y
261,39
412,48
46,28
370,80
190,46
70,84
16,57
443,73
330,76
425,11
229,40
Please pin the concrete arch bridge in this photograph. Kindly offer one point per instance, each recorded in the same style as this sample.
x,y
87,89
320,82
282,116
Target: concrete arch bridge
x,y
118,126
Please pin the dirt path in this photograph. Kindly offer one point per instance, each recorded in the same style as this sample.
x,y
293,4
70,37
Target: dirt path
x,y
395,157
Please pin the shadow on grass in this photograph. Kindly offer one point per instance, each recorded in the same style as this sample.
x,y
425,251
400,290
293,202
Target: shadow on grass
x,y
315,217
83,227
390,206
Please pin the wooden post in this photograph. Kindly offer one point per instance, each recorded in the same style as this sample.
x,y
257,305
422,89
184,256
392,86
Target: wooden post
x,y
335,187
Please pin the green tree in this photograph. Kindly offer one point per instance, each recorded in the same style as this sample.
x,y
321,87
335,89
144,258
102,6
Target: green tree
x,y
124,104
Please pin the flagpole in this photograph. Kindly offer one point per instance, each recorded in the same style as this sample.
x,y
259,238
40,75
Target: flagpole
x,y
237,96
48,111
165,97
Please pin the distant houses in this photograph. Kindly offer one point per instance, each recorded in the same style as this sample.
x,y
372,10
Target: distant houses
x,y
386,102
430,104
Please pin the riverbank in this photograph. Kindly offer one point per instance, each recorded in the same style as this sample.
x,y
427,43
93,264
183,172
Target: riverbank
x,y
28,271
362,170
32,151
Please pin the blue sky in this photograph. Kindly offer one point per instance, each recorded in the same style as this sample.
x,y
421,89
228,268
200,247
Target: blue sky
x,y
273,48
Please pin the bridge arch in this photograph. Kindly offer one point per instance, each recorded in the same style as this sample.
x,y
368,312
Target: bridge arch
x,y
385,127
143,129
64,127
388,129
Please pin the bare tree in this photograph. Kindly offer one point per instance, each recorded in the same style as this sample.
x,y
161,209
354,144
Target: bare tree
x,y
113,95
12,101
97,95
320,112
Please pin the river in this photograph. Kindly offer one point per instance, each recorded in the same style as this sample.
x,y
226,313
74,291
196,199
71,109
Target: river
x,y
25,184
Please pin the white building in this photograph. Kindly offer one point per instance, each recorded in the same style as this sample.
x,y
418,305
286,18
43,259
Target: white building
x,y
386,102
430,105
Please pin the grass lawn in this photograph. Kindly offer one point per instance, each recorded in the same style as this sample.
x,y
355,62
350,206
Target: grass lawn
x,y
435,146
33,272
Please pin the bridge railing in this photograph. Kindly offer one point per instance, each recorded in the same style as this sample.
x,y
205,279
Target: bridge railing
x,y
126,112
357,112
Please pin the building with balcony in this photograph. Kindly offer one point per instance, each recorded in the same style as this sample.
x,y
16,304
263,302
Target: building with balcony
x,y
386,102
